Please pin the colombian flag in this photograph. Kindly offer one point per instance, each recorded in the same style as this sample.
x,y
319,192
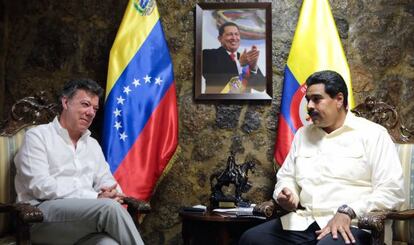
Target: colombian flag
x,y
316,46
140,122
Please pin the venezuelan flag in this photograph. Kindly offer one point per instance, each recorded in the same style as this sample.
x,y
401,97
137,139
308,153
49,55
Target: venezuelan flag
x,y
140,121
316,46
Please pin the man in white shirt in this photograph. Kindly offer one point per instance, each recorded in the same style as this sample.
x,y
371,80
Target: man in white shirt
x,y
62,170
338,168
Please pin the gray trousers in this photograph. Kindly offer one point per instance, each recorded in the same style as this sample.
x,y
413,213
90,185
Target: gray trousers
x,y
85,221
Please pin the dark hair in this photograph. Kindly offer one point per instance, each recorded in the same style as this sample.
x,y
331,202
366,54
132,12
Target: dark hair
x,y
333,81
224,25
85,84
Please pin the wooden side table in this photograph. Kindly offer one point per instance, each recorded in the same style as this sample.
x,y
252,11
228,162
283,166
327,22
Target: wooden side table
x,y
211,229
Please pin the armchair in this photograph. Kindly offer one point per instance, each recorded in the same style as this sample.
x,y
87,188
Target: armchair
x,y
15,218
387,116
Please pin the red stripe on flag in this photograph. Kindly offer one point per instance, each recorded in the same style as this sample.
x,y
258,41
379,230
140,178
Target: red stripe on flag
x,y
147,158
295,107
284,140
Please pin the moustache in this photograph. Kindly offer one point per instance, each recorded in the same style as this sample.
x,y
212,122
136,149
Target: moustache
x,y
313,113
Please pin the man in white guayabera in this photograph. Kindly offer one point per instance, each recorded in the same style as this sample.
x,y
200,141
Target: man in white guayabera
x,y
338,168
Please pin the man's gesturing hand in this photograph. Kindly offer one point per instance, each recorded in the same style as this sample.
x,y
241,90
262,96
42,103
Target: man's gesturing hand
x,y
341,224
111,192
286,200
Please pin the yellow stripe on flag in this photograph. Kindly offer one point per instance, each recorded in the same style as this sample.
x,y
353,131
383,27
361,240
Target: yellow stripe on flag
x,y
131,35
316,45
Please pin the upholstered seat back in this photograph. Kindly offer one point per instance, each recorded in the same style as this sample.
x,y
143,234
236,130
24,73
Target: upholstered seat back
x,y
8,149
387,116
25,113
404,230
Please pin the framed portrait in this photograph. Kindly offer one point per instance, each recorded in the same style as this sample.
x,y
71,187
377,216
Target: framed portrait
x,y
233,51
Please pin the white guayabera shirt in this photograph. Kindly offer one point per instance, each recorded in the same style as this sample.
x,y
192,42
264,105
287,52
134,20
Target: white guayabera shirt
x,y
49,166
357,165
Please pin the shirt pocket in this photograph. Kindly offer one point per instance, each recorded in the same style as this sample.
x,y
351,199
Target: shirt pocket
x,y
347,164
306,166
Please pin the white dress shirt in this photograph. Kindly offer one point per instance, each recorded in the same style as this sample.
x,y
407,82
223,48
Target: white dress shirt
x,y
48,166
357,165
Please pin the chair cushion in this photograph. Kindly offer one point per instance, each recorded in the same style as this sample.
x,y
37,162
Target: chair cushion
x,y
404,230
8,148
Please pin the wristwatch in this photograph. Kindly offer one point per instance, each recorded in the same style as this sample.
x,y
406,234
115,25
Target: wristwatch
x,y
345,209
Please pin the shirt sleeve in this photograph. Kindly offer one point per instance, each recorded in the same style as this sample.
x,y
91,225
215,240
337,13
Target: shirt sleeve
x,y
103,177
386,176
32,165
285,177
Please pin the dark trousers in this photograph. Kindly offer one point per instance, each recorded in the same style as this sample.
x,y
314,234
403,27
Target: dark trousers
x,y
272,233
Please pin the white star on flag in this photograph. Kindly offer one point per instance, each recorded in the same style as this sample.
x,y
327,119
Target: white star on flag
x,y
123,136
158,80
117,125
127,90
117,112
147,79
120,100
136,82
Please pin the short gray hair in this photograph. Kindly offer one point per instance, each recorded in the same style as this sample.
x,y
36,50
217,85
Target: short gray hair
x,y
85,84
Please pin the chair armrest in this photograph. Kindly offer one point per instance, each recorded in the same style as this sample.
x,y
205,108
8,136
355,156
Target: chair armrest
x,y
373,221
269,209
28,213
137,206
25,212
401,215
264,209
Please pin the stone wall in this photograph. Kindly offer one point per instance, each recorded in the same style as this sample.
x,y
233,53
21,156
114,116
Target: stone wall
x,y
45,42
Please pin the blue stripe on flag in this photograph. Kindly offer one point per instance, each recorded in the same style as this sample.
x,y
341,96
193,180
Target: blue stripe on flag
x,y
290,86
152,59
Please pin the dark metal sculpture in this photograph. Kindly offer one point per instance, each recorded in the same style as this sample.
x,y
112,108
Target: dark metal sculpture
x,y
233,174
